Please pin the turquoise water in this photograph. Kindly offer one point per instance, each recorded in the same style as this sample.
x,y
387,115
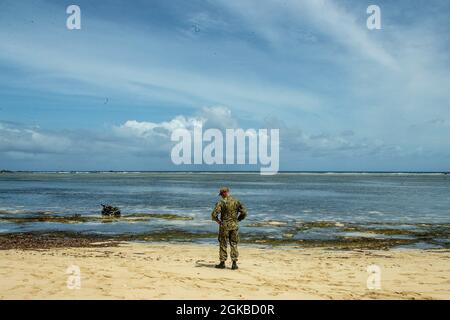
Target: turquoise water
x,y
400,200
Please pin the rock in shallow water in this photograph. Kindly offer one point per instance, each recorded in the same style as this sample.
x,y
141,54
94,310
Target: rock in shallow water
x,y
110,211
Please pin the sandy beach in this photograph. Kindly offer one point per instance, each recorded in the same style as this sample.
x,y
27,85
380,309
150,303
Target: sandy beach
x,y
185,271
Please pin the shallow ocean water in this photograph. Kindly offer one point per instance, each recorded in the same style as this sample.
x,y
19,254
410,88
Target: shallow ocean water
x,y
396,201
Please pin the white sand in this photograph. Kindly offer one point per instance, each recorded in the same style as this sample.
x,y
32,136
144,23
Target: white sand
x,y
184,271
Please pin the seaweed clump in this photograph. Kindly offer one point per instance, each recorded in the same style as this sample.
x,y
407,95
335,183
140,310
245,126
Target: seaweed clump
x,y
110,211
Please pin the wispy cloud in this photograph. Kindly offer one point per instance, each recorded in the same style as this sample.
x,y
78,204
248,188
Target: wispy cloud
x,y
145,140
311,63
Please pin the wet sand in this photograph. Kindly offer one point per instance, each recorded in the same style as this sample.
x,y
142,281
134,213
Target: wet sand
x,y
185,271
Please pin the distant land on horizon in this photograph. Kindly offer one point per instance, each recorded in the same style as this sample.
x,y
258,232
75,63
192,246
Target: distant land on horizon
x,y
219,171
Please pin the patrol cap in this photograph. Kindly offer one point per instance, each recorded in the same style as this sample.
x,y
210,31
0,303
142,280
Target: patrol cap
x,y
223,190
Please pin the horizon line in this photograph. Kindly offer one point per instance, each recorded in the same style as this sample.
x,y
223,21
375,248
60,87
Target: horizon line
x,y
215,171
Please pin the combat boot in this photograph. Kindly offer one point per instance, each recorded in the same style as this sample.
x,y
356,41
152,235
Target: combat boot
x,y
234,266
221,265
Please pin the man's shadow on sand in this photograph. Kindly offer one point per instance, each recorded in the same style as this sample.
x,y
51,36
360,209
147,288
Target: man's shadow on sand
x,y
204,264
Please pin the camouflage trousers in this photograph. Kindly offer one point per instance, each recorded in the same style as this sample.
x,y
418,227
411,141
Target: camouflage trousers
x,y
231,236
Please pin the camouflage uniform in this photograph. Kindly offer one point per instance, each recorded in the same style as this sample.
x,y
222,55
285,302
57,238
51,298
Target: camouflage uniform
x,y
231,212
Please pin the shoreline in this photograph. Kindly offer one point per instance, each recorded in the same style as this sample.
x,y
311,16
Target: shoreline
x,y
223,172
67,239
186,271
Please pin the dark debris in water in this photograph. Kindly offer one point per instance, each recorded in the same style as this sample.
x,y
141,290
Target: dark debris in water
x,y
48,218
343,243
47,240
419,231
348,236
110,211
165,216
344,235
44,240
169,235
78,218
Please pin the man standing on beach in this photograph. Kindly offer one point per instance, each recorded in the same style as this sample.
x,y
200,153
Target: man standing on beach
x,y
231,212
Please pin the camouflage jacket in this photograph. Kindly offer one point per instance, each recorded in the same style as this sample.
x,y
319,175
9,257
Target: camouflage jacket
x,y
231,211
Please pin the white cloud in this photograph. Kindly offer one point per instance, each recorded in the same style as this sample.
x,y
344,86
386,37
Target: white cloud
x,y
146,142
147,138
209,117
138,137
146,65
281,24
311,62
344,28
31,140
218,117
149,130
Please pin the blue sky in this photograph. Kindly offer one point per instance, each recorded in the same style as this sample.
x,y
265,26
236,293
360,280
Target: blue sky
x,y
106,97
